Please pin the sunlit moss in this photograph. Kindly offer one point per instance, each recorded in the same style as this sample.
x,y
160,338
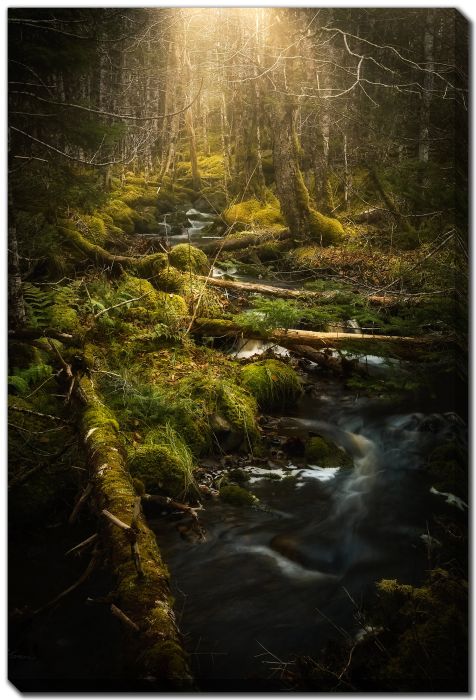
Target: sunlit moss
x,y
187,257
252,212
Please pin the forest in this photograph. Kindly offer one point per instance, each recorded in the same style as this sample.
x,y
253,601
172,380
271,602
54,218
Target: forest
x,y
237,349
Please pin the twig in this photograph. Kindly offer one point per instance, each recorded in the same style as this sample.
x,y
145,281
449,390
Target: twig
x,y
117,612
84,576
79,504
40,415
83,544
121,303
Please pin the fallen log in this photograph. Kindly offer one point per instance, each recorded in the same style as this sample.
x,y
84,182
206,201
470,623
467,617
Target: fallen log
x,y
245,240
144,596
291,337
282,293
146,264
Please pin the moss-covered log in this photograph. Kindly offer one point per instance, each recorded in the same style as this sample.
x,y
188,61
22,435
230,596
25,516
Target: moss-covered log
x,y
320,339
284,293
145,266
155,650
236,241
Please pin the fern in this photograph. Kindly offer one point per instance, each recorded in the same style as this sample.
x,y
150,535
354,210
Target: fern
x,y
22,379
40,300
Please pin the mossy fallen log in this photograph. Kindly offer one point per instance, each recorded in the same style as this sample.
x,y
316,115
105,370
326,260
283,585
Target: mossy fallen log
x,y
142,594
145,265
283,293
317,339
236,241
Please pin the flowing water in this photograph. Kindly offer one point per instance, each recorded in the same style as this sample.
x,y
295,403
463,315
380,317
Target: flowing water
x,y
281,579
277,581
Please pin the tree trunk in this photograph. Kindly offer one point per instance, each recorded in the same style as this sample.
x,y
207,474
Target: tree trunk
x,y
141,590
16,303
428,83
292,192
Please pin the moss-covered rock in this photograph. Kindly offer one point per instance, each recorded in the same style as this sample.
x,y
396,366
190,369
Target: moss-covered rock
x,y
237,496
152,305
215,398
273,383
324,453
164,463
252,212
187,257
170,280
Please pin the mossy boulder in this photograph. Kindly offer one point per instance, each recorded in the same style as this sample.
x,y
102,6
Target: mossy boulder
x,y
187,257
252,212
154,305
273,383
221,412
164,463
170,280
324,453
237,496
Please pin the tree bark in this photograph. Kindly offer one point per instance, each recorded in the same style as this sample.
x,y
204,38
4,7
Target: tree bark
x,y
16,303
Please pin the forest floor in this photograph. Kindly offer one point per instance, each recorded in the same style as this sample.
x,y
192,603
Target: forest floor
x,y
156,350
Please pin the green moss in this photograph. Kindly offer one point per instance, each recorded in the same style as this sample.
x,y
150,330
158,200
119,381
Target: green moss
x,y
273,383
237,496
325,229
206,301
121,214
187,257
135,195
63,318
239,475
170,280
252,212
324,453
164,463
152,266
96,229
213,397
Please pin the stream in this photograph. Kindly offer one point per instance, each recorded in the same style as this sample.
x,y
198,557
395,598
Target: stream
x,y
273,582
280,579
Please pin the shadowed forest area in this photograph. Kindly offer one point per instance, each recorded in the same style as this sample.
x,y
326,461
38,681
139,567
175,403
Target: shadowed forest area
x,y
237,368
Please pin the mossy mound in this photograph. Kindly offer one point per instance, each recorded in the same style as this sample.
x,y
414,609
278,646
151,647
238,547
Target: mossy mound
x,y
221,411
152,305
187,257
237,496
64,318
135,195
252,212
164,463
324,453
274,384
96,229
121,214
170,280
325,229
